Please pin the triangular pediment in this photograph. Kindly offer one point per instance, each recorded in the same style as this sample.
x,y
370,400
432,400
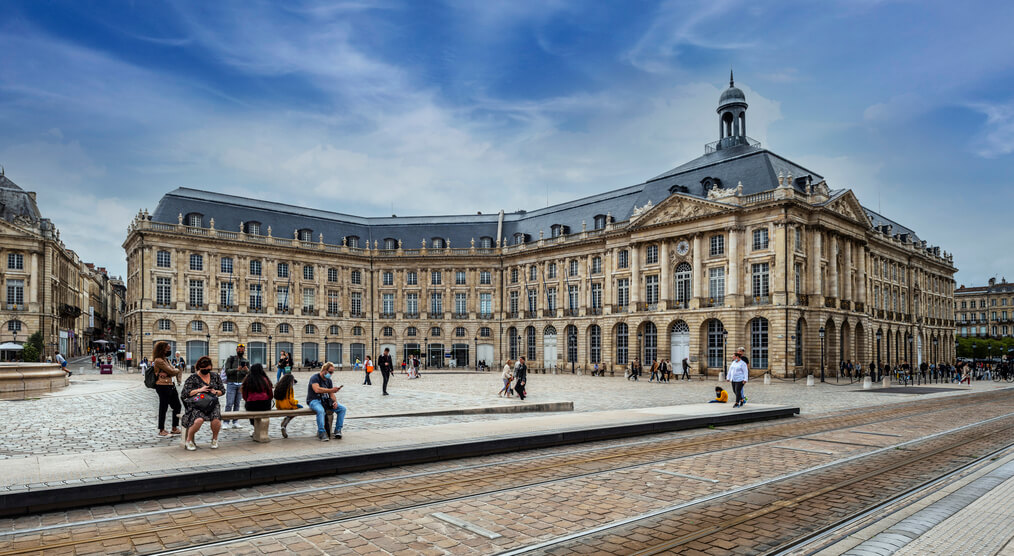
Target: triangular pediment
x,y
848,206
675,208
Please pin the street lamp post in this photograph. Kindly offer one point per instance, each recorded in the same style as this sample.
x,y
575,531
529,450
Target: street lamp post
x,y
793,357
475,351
426,355
326,358
268,357
129,361
725,343
821,331
879,336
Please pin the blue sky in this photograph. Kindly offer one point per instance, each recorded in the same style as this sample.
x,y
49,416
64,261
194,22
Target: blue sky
x,y
454,107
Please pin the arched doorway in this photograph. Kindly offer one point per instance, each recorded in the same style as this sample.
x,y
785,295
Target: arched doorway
x,y
549,347
571,332
679,342
650,342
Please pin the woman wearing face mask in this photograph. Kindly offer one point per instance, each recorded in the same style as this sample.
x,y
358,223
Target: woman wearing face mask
x,y
203,381
320,397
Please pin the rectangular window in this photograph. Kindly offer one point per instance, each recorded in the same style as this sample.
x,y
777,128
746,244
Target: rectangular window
x,y
388,278
412,303
460,303
307,272
551,270
435,277
514,276
163,259
623,259
387,304
651,254
623,292
225,294
196,293
332,275
799,239
356,277
716,284
333,303
226,265
651,289
309,299
437,303
572,301
15,261
596,265
256,296
486,303
760,280
196,262
163,291
717,246
194,220
533,300
357,304
573,268
15,292
412,278
551,298
596,296
282,298
459,278
760,239
514,302
255,268
797,277
283,270
485,277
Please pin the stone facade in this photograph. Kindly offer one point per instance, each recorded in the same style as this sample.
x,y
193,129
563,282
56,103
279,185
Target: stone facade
x,y
688,267
985,311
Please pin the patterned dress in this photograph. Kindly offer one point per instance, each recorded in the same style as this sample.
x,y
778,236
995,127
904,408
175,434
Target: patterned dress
x,y
192,413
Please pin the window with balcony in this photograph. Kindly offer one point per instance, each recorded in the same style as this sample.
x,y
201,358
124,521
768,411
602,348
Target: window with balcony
x,y
760,280
513,302
486,304
460,303
309,299
716,284
163,291
196,293
651,289
282,298
596,296
551,299
533,300
15,293
333,303
256,297
387,304
412,303
623,292
684,279
225,294
356,300
572,297
436,303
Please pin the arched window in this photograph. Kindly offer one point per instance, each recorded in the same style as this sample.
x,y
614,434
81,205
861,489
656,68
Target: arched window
x,y
228,326
196,326
716,344
334,330
486,242
411,331
595,343
459,332
571,332
600,221
530,343
558,230
435,331
520,238
390,243
621,344
284,328
387,332
310,329
485,332
759,343
165,324
512,342
14,326
438,243
684,274
650,342
357,330
256,328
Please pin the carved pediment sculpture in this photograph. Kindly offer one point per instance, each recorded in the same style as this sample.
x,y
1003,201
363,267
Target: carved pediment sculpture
x,y
680,209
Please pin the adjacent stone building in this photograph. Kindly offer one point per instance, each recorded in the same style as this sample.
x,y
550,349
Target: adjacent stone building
x,y
985,311
739,247
46,285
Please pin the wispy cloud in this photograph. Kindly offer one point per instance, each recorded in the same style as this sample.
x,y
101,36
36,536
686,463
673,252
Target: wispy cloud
x,y
998,138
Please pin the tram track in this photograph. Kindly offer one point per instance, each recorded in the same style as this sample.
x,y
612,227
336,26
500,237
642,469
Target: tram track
x,y
362,505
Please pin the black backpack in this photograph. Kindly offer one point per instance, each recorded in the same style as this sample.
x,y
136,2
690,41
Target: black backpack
x,y
150,377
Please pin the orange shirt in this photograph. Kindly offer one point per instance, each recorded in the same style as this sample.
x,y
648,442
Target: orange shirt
x,y
722,397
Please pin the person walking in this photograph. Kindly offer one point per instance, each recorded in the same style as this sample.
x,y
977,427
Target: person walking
x,y
256,390
166,389
367,370
202,409
285,398
284,365
739,373
654,371
521,378
320,397
686,369
507,375
236,369
386,368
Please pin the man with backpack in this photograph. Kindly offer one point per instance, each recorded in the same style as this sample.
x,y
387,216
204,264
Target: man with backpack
x,y
236,368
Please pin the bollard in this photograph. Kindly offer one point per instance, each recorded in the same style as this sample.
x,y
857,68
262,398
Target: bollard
x,y
767,378
809,380
721,376
867,383
887,382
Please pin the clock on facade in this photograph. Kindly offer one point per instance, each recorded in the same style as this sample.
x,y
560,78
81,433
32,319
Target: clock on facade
x,y
682,247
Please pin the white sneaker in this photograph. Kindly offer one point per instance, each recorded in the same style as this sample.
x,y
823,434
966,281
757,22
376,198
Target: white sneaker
x,y
214,443
191,446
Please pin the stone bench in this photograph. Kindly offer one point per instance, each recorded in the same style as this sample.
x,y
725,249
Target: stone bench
x,y
261,420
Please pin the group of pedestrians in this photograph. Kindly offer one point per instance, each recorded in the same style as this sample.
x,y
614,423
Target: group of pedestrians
x,y
515,372
661,370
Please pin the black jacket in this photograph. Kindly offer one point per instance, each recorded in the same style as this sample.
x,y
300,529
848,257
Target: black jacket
x,y
521,373
386,366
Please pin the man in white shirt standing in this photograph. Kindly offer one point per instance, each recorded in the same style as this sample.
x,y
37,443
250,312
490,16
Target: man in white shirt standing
x,y
739,373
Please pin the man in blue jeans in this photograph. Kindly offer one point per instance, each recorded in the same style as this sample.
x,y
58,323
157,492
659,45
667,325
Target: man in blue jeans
x,y
320,397
236,368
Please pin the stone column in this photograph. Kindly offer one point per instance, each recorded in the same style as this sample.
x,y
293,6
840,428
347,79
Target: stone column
x,y
861,279
732,280
607,282
832,267
698,276
779,293
635,275
34,280
846,268
666,273
816,288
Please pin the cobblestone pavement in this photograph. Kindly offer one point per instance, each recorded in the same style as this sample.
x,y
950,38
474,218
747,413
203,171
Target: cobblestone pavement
x,y
113,412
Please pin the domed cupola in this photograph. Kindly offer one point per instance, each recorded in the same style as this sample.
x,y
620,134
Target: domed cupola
x,y
732,117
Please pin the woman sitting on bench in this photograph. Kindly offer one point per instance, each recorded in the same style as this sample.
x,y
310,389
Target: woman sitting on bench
x,y
256,390
285,398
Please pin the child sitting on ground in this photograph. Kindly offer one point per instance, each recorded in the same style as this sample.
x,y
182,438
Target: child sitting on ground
x,y
721,396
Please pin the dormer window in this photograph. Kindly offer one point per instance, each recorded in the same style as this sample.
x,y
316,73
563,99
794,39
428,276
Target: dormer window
x,y
709,183
390,243
557,230
195,220
438,243
352,241
600,221
486,242
253,228
306,234
520,238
